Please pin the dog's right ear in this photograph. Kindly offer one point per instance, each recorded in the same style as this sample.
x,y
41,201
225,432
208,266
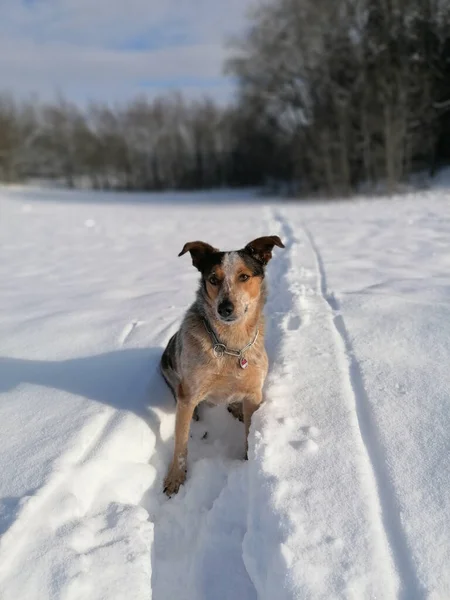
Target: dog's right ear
x,y
199,251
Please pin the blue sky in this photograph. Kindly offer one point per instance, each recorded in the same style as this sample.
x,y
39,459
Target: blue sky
x,y
114,49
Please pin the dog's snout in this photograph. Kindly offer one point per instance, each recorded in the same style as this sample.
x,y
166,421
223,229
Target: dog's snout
x,y
225,309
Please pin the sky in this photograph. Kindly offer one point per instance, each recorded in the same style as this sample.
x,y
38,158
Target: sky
x,y
112,50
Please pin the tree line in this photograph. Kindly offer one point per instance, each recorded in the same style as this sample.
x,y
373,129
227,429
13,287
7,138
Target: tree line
x,y
143,145
331,95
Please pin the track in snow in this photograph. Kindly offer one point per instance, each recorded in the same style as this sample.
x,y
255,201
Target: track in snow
x,y
411,588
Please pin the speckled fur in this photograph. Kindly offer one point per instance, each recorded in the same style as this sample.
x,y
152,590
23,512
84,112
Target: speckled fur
x,y
189,365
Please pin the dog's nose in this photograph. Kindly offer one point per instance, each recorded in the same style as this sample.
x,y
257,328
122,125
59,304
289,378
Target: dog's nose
x,y
225,308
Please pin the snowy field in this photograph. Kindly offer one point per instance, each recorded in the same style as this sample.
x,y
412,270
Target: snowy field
x,y
346,493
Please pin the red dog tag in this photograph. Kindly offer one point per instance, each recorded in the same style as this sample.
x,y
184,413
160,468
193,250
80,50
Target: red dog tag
x,y
243,363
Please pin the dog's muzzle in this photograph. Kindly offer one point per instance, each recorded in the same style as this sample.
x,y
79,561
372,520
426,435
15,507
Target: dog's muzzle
x,y
225,309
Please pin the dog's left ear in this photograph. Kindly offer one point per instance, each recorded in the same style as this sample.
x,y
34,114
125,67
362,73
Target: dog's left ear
x,y
261,248
199,251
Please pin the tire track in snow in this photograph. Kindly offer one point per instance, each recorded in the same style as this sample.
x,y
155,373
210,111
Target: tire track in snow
x,y
411,588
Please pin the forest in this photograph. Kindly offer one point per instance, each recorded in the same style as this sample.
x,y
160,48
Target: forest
x,y
332,96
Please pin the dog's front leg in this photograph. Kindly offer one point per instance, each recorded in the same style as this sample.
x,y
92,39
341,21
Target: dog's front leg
x,y
250,405
176,475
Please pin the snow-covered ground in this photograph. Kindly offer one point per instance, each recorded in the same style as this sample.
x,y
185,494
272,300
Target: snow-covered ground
x,y
346,493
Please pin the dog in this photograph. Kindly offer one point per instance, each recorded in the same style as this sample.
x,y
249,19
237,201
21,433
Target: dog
x,y
218,353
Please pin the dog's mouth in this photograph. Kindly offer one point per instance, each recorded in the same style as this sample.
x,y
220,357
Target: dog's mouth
x,y
228,320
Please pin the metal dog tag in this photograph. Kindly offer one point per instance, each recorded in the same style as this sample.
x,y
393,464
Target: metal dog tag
x,y
243,363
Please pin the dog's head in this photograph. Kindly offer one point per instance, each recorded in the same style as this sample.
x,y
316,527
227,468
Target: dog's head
x,y
232,281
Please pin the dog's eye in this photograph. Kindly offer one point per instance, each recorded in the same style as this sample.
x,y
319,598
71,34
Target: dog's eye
x,y
213,280
244,277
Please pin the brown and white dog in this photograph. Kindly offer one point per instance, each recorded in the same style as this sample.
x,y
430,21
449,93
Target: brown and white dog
x,y
218,353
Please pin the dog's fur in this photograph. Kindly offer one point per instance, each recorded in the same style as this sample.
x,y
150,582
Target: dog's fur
x,y
232,283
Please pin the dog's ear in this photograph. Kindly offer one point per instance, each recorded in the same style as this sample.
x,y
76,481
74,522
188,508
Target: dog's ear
x,y
199,251
261,248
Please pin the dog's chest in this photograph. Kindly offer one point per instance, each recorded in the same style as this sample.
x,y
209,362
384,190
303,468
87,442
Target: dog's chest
x,y
231,382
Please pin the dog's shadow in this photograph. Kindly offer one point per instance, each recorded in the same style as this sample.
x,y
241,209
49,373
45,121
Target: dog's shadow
x,y
126,379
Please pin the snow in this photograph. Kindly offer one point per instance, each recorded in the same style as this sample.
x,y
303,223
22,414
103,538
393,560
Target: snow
x,y
346,493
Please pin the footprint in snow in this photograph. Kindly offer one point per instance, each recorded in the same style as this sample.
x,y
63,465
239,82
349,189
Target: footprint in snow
x,y
294,322
311,431
309,444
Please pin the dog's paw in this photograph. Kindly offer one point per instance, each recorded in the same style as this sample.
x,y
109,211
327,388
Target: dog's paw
x,y
175,478
237,410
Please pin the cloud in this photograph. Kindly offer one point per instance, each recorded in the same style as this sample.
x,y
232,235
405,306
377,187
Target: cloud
x,y
97,49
